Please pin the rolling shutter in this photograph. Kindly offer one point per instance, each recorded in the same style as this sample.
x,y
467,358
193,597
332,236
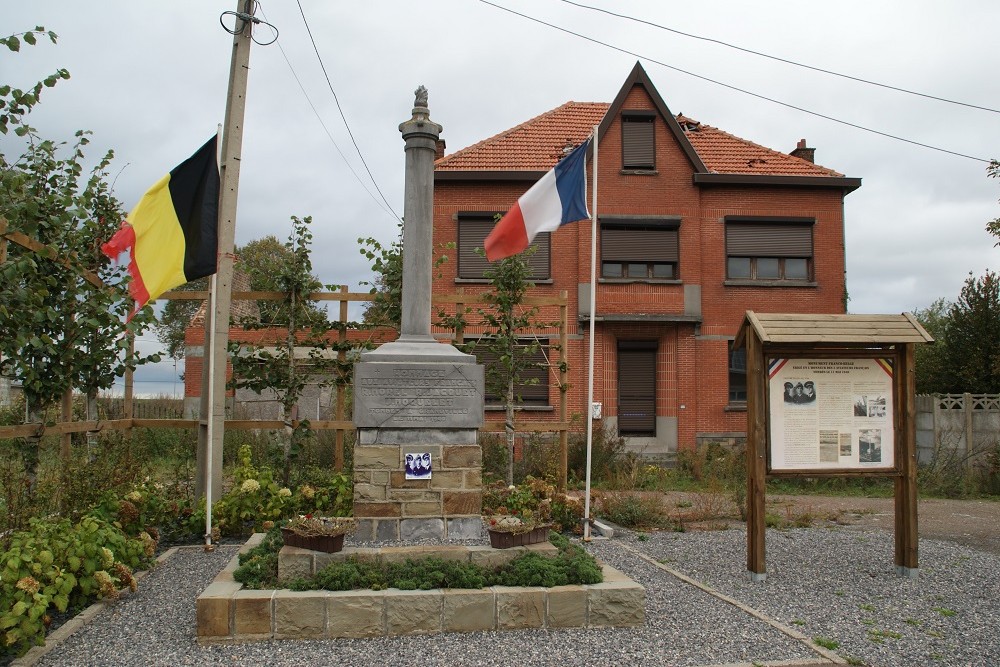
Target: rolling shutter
x,y
638,144
472,232
637,388
531,394
632,244
768,240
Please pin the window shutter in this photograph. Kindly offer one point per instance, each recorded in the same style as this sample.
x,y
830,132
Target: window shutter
x,y
539,260
630,244
531,394
764,240
637,388
472,232
638,145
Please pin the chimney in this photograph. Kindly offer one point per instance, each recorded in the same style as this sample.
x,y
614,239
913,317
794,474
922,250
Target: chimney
x,y
439,149
801,151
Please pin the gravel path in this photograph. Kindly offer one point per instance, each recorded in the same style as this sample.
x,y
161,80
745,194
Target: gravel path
x,y
834,583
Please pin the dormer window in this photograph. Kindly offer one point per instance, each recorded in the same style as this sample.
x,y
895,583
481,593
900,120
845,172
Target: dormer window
x,y
638,143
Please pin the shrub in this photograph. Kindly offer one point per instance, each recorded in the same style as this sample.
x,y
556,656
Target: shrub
x,y
631,510
259,569
607,454
63,565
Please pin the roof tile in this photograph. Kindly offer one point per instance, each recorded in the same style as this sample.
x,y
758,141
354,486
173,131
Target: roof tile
x,y
537,144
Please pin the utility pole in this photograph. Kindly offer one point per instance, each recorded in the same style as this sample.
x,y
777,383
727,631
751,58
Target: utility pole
x,y
211,428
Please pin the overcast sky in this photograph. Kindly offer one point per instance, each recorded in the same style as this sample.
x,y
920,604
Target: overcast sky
x,y
149,79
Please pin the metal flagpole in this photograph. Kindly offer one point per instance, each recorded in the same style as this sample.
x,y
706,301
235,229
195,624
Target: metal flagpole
x,y
210,388
209,428
590,350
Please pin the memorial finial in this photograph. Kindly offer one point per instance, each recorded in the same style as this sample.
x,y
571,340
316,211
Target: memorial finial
x,y
421,97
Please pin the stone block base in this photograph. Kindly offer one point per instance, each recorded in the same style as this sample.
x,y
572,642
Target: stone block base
x,y
226,613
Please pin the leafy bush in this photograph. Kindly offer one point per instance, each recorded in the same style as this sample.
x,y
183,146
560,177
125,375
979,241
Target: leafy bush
x,y
258,566
66,566
607,454
259,569
631,510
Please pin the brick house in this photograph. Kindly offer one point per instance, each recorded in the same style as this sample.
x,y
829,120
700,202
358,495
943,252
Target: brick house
x,y
696,226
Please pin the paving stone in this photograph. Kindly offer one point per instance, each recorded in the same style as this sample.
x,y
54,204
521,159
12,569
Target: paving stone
x,y
299,614
566,607
469,610
615,604
520,607
252,612
294,562
356,614
413,612
212,609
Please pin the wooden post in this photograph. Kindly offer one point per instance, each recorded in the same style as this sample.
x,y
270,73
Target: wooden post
x,y
563,398
127,408
338,447
232,144
3,240
756,451
66,440
459,329
905,387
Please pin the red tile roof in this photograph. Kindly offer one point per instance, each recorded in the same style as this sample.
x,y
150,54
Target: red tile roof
x,y
537,144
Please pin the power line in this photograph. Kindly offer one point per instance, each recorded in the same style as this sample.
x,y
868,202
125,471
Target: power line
x,y
329,134
779,59
342,116
736,88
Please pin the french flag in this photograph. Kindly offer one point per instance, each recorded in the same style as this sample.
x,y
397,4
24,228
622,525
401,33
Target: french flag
x,y
559,197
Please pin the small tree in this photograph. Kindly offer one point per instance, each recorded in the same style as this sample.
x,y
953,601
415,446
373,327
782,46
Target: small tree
x,y
263,261
386,309
932,360
993,226
509,337
273,364
60,328
972,337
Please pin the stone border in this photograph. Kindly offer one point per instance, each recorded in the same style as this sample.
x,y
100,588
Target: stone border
x,y
228,614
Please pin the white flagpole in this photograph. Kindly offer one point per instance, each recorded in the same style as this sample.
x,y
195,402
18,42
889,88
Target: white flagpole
x,y
209,430
590,339
209,326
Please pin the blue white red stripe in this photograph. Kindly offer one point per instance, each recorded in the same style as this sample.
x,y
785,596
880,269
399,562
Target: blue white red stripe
x,y
558,198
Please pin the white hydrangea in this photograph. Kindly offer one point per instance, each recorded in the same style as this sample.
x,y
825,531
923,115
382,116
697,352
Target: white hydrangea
x,y
250,486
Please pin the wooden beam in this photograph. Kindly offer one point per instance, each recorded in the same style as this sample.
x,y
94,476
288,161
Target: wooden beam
x,y
906,452
756,453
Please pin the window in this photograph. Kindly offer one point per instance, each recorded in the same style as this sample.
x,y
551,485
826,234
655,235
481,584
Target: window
x,y
533,391
638,142
639,249
769,250
737,374
473,228
637,388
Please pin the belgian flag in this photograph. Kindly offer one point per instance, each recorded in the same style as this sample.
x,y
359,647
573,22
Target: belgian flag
x,y
172,232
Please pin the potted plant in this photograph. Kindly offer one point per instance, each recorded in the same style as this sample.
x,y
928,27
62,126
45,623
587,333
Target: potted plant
x,y
517,515
319,533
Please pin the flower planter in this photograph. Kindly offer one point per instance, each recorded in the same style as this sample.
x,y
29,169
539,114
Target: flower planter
x,y
326,543
504,540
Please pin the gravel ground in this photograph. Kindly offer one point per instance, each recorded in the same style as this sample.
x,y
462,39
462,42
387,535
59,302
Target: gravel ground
x,y
834,583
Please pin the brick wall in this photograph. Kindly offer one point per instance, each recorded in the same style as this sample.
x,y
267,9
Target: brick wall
x,y
692,362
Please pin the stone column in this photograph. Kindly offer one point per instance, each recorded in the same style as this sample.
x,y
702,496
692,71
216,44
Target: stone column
x,y
417,395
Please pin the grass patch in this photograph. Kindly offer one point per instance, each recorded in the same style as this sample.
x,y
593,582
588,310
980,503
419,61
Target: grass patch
x,y
878,636
944,611
825,642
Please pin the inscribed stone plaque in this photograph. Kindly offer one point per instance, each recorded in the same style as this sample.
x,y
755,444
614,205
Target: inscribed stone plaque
x,y
418,395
